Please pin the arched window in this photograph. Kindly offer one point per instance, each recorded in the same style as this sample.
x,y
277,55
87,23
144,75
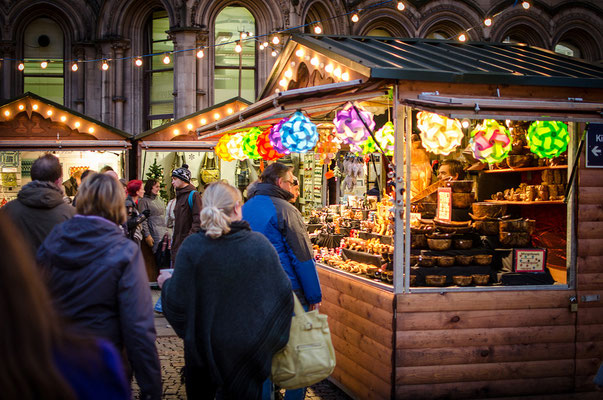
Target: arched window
x,y
234,71
568,49
379,32
437,35
43,40
158,76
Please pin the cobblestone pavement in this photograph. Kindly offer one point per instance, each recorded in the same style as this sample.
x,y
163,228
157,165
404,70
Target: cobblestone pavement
x,y
171,355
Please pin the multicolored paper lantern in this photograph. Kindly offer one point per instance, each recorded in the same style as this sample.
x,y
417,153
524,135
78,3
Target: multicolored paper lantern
x,y
349,126
299,134
490,141
439,134
327,148
250,143
222,148
235,146
548,139
275,137
386,138
265,149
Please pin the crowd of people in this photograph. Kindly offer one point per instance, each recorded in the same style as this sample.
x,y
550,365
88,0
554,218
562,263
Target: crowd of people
x,y
79,302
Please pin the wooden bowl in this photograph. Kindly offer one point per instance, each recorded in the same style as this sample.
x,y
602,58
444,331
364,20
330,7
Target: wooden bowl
x,y
461,280
486,227
418,241
481,210
445,261
482,259
435,280
427,261
463,244
461,259
479,279
460,186
439,244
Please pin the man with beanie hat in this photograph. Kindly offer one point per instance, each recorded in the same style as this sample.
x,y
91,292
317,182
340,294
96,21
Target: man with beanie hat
x,y
187,210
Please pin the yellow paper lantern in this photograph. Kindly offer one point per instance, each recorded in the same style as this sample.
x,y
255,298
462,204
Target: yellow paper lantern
x,y
439,134
222,148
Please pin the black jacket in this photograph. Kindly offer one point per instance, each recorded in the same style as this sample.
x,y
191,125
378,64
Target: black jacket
x,y
231,302
38,208
98,280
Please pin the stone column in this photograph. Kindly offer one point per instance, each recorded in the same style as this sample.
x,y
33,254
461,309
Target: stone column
x,y
203,85
79,79
8,69
185,70
119,49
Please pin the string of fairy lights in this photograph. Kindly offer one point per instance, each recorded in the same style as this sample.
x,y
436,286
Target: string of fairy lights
x,y
266,41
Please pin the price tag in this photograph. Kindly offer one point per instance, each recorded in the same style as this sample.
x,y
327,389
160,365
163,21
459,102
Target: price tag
x,y
530,260
444,209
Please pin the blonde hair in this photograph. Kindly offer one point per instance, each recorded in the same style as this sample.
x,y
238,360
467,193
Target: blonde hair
x,y
102,195
219,202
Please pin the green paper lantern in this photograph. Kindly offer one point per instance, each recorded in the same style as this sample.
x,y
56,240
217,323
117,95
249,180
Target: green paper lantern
x,y
548,139
490,142
368,146
250,143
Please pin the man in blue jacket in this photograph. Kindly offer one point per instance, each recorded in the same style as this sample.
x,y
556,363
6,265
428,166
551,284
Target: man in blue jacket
x,y
269,212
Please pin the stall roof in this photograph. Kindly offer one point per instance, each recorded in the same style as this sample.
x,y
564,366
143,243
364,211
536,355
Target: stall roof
x,y
31,121
448,61
173,134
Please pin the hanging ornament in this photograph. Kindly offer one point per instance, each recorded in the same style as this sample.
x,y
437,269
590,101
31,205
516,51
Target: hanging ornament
x,y
548,139
265,149
369,146
349,126
491,141
439,134
275,137
222,148
235,146
250,140
299,134
386,138
327,149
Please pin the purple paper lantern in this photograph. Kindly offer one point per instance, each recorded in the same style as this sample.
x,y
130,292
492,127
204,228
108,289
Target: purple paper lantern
x,y
275,137
349,127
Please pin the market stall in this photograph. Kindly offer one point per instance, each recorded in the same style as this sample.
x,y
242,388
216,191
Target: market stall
x,y
512,306
31,126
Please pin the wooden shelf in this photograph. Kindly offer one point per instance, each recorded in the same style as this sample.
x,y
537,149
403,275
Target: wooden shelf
x,y
527,169
526,203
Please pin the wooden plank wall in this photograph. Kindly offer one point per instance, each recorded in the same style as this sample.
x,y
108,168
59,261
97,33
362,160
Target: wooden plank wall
x,y
468,345
589,275
361,324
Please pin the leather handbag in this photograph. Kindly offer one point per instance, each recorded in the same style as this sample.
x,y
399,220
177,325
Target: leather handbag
x,y
209,170
309,356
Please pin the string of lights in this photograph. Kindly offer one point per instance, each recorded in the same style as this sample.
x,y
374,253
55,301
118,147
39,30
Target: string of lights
x,y
244,36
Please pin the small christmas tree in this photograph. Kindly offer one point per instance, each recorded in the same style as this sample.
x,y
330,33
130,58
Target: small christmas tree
x,y
156,173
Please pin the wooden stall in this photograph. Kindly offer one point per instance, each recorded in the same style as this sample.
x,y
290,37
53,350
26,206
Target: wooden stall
x,y
461,343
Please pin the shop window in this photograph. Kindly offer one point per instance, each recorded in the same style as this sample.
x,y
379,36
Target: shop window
x,y
567,49
234,72
44,40
159,76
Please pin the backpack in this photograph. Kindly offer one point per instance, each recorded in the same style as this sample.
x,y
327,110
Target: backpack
x,y
190,199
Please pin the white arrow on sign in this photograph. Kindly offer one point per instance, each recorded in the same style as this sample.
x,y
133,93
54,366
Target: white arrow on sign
x,y
596,151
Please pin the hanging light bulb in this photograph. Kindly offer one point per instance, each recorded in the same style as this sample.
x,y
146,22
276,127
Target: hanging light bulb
x,y
525,4
275,40
465,123
200,54
229,111
488,21
314,61
462,37
337,72
345,76
265,44
274,53
355,18
77,124
74,67
49,113
166,59
21,66
189,127
329,68
400,6
7,113
243,35
203,121
288,74
63,118
283,83
262,46
44,64
299,53
317,29
105,65
138,62
34,107
21,107
91,130
238,48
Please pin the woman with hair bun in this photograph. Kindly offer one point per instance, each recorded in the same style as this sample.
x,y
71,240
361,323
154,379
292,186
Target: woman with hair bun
x,y
229,300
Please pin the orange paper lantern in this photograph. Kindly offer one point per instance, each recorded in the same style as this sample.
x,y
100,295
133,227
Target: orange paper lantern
x,y
265,149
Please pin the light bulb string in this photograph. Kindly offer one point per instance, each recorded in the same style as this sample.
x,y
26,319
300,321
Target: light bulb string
x,y
475,26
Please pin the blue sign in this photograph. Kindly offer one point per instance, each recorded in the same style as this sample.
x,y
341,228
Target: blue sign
x,y
594,146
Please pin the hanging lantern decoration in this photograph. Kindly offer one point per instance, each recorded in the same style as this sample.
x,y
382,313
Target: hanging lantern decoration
x,y
250,146
439,134
386,138
275,137
548,139
327,149
349,126
222,148
235,146
299,134
491,142
265,149
369,146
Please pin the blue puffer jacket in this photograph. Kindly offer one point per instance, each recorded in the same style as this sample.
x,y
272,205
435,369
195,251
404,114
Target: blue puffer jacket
x,y
269,212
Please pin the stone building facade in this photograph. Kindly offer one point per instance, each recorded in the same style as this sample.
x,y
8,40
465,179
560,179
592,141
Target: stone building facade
x,y
117,32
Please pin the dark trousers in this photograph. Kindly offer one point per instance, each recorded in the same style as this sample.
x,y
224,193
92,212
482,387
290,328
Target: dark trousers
x,y
198,384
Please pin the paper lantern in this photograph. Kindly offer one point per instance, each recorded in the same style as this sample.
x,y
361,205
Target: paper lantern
x,y
235,146
491,141
250,143
275,137
439,134
327,149
349,126
265,149
299,134
222,148
369,146
386,138
548,139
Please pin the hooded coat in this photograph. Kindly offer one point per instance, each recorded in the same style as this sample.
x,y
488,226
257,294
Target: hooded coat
x,y
39,206
97,279
186,220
